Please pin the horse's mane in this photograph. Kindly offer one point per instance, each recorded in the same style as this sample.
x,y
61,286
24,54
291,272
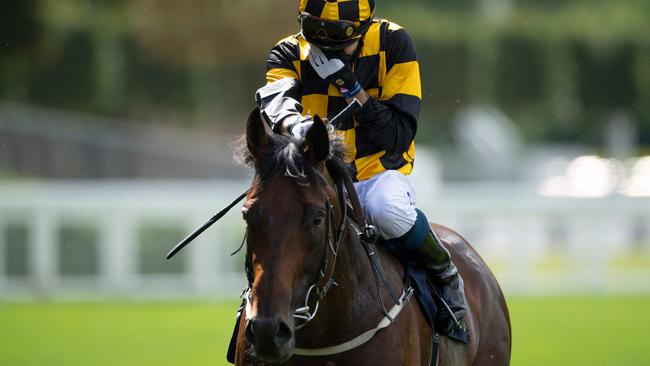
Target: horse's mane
x,y
287,155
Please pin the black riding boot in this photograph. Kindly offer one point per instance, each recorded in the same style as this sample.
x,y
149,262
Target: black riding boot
x,y
444,274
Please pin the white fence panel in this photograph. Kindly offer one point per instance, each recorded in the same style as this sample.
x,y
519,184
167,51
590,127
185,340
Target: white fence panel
x,y
106,239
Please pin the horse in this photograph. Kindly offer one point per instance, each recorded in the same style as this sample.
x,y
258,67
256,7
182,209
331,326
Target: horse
x,y
312,285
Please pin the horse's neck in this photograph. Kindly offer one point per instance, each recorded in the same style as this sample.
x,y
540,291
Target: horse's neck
x,y
358,273
355,273
353,306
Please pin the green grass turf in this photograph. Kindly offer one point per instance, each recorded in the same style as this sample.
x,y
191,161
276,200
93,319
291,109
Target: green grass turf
x,y
547,331
607,331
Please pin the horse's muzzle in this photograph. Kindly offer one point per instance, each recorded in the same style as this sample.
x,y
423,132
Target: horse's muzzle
x,y
272,339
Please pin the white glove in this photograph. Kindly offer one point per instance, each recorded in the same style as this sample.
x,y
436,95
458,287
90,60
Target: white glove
x,y
299,127
336,71
323,66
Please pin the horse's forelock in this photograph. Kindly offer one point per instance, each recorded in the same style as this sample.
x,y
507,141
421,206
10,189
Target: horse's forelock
x,y
286,156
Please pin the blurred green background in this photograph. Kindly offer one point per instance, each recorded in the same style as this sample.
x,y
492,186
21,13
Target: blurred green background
x,y
558,68
116,119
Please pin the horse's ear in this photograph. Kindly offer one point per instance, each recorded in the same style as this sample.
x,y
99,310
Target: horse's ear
x,y
257,138
317,141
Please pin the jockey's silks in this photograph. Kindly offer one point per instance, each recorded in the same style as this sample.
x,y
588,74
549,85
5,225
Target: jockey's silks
x,y
388,70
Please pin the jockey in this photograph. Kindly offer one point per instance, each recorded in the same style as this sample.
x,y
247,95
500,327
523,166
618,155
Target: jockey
x,y
342,54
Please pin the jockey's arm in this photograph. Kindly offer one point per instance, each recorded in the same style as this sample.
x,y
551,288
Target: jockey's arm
x,y
389,127
279,103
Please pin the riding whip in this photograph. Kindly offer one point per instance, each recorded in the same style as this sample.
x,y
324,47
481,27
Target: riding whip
x,y
352,107
203,227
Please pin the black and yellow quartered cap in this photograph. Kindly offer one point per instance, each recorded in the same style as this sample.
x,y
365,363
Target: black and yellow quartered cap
x,y
333,10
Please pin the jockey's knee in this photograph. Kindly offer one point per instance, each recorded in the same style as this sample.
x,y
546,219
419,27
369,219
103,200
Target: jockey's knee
x,y
388,201
414,237
392,219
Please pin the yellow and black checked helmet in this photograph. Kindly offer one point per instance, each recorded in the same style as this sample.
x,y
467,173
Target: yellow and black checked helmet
x,y
334,10
334,24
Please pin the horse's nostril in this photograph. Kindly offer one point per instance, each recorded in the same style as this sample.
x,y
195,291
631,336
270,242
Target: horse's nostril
x,y
274,332
284,334
250,332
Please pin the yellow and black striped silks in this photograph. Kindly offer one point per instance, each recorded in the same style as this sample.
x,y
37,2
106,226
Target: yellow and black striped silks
x,y
387,68
352,10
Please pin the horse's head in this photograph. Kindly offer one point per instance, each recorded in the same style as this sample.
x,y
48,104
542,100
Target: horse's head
x,y
288,213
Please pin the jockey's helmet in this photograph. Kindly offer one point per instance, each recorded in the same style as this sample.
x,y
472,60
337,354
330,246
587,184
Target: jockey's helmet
x,y
334,24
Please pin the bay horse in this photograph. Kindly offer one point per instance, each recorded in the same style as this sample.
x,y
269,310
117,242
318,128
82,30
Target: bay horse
x,y
312,286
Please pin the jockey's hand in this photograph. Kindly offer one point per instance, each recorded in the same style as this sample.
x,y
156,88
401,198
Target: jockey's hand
x,y
298,126
335,70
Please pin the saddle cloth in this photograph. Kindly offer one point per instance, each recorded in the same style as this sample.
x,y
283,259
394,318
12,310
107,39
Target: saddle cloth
x,y
430,301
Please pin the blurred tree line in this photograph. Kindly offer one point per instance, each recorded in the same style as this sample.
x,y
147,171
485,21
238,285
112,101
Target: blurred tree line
x,y
560,69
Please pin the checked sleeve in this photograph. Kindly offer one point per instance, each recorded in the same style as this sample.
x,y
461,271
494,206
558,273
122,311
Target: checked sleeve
x,y
391,120
284,60
280,97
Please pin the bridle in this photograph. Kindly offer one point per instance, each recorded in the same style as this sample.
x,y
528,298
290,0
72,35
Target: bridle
x,y
325,280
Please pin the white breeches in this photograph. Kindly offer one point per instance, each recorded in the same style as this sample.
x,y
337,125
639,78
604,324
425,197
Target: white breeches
x,y
388,201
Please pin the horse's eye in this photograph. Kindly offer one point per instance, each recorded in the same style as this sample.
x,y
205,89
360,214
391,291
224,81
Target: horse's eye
x,y
318,220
